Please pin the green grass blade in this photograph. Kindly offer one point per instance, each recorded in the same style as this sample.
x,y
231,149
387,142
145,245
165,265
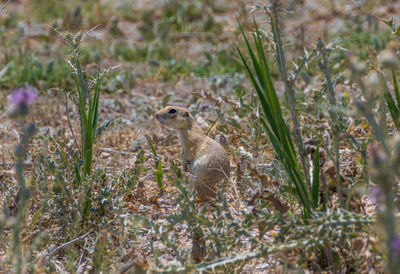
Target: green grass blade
x,y
86,206
86,131
256,65
88,145
393,109
282,131
292,169
81,80
263,100
158,165
83,117
315,182
212,125
269,92
81,103
259,90
396,88
95,108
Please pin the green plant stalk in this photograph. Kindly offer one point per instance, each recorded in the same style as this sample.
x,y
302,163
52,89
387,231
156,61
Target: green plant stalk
x,y
89,117
384,176
387,183
21,208
289,90
24,195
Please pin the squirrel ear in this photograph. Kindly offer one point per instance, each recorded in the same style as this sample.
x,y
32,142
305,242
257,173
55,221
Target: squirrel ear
x,y
186,114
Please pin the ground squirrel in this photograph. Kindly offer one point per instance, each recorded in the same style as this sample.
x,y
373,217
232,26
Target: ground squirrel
x,y
209,160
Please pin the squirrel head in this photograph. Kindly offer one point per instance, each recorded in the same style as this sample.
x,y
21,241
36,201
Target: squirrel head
x,y
175,117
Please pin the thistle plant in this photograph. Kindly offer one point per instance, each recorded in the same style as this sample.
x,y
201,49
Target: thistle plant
x,y
19,101
384,153
337,125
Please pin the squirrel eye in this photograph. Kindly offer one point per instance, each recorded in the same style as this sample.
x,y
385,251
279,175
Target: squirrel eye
x,y
172,111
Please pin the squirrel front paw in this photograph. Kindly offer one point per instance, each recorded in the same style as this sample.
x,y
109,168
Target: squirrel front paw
x,y
186,165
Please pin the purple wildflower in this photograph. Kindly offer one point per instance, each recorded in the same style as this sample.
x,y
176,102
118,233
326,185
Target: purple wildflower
x,y
19,100
376,193
23,95
396,245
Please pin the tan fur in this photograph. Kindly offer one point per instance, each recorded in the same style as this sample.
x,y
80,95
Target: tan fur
x,y
209,160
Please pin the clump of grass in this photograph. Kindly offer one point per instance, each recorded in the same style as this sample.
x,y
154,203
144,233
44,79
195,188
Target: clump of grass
x,y
88,104
274,124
